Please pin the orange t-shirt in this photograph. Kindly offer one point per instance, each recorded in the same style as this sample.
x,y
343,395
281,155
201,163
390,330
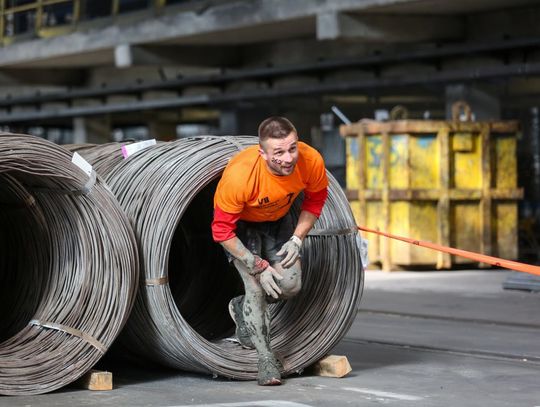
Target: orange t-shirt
x,y
248,188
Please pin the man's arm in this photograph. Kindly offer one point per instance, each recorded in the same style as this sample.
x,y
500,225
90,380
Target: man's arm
x,y
310,212
235,247
305,223
223,228
256,266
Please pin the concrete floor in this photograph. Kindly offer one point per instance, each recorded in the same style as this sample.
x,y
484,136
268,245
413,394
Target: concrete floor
x,y
420,338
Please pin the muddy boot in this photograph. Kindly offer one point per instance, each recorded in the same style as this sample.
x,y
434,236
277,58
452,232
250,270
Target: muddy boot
x,y
269,371
236,306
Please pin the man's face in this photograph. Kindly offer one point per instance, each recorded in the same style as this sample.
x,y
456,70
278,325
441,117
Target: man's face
x,y
280,155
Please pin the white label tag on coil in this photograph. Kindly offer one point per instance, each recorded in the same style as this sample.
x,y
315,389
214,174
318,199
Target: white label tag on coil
x,y
130,149
363,247
82,163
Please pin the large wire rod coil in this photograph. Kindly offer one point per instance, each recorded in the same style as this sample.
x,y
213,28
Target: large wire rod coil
x,y
68,269
181,317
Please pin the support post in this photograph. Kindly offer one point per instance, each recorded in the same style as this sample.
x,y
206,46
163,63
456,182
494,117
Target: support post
x,y
386,213
486,201
443,206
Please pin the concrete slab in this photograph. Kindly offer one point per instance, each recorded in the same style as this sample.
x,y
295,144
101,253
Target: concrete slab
x,y
416,369
468,295
478,339
381,375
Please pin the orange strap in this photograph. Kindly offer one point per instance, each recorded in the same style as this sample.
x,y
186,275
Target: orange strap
x,y
494,261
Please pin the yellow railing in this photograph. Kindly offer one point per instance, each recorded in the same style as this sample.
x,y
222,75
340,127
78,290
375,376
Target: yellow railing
x,y
37,18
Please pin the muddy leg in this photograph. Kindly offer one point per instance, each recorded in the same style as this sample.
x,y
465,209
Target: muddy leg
x,y
257,319
255,311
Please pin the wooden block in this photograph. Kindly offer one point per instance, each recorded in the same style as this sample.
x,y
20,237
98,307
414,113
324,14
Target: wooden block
x,y
97,380
332,366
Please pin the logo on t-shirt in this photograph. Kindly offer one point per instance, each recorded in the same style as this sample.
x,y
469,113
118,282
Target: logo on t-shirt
x,y
289,196
264,203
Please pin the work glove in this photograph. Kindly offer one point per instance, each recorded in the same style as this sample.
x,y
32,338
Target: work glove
x,y
290,251
269,285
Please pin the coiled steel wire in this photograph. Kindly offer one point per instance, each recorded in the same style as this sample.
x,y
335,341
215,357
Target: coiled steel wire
x,y
68,269
180,317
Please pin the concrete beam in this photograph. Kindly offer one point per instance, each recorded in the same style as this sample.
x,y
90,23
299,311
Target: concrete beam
x,y
509,23
239,22
211,96
381,28
44,76
179,55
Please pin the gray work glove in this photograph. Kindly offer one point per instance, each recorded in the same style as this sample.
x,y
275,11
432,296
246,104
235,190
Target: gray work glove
x,y
269,285
290,251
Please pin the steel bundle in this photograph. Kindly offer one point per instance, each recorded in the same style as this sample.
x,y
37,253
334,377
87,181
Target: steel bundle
x,y
180,317
68,269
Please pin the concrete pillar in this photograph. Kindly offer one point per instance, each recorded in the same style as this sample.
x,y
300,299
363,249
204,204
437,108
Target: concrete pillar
x,y
484,106
333,147
164,131
94,130
123,57
528,153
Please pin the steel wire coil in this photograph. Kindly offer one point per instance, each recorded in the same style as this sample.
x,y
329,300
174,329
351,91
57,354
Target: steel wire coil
x,y
104,157
68,269
180,317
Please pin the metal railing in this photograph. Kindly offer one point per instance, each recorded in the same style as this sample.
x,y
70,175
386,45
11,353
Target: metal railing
x,y
48,18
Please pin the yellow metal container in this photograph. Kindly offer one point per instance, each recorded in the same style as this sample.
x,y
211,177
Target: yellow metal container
x,y
450,182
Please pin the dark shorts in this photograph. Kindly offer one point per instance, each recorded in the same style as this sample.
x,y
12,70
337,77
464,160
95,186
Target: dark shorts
x,y
265,239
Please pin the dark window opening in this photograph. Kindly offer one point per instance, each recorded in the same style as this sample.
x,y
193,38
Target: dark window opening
x,y
132,5
57,14
93,9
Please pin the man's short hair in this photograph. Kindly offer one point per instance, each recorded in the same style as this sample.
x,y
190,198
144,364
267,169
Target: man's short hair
x,y
275,127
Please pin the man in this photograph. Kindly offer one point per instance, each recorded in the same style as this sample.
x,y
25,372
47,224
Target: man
x,y
253,224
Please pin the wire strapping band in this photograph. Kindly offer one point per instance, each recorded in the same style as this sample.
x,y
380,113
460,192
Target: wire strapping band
x,y
333,232
231,140
85,190
156,281
72,331
89,184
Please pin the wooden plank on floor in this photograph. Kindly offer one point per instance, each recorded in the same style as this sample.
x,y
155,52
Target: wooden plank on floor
x,y
332,366
97,380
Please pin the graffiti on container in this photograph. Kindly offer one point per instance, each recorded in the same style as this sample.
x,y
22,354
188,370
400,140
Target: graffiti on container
x,y
398,149
426,141
398,156
353,146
